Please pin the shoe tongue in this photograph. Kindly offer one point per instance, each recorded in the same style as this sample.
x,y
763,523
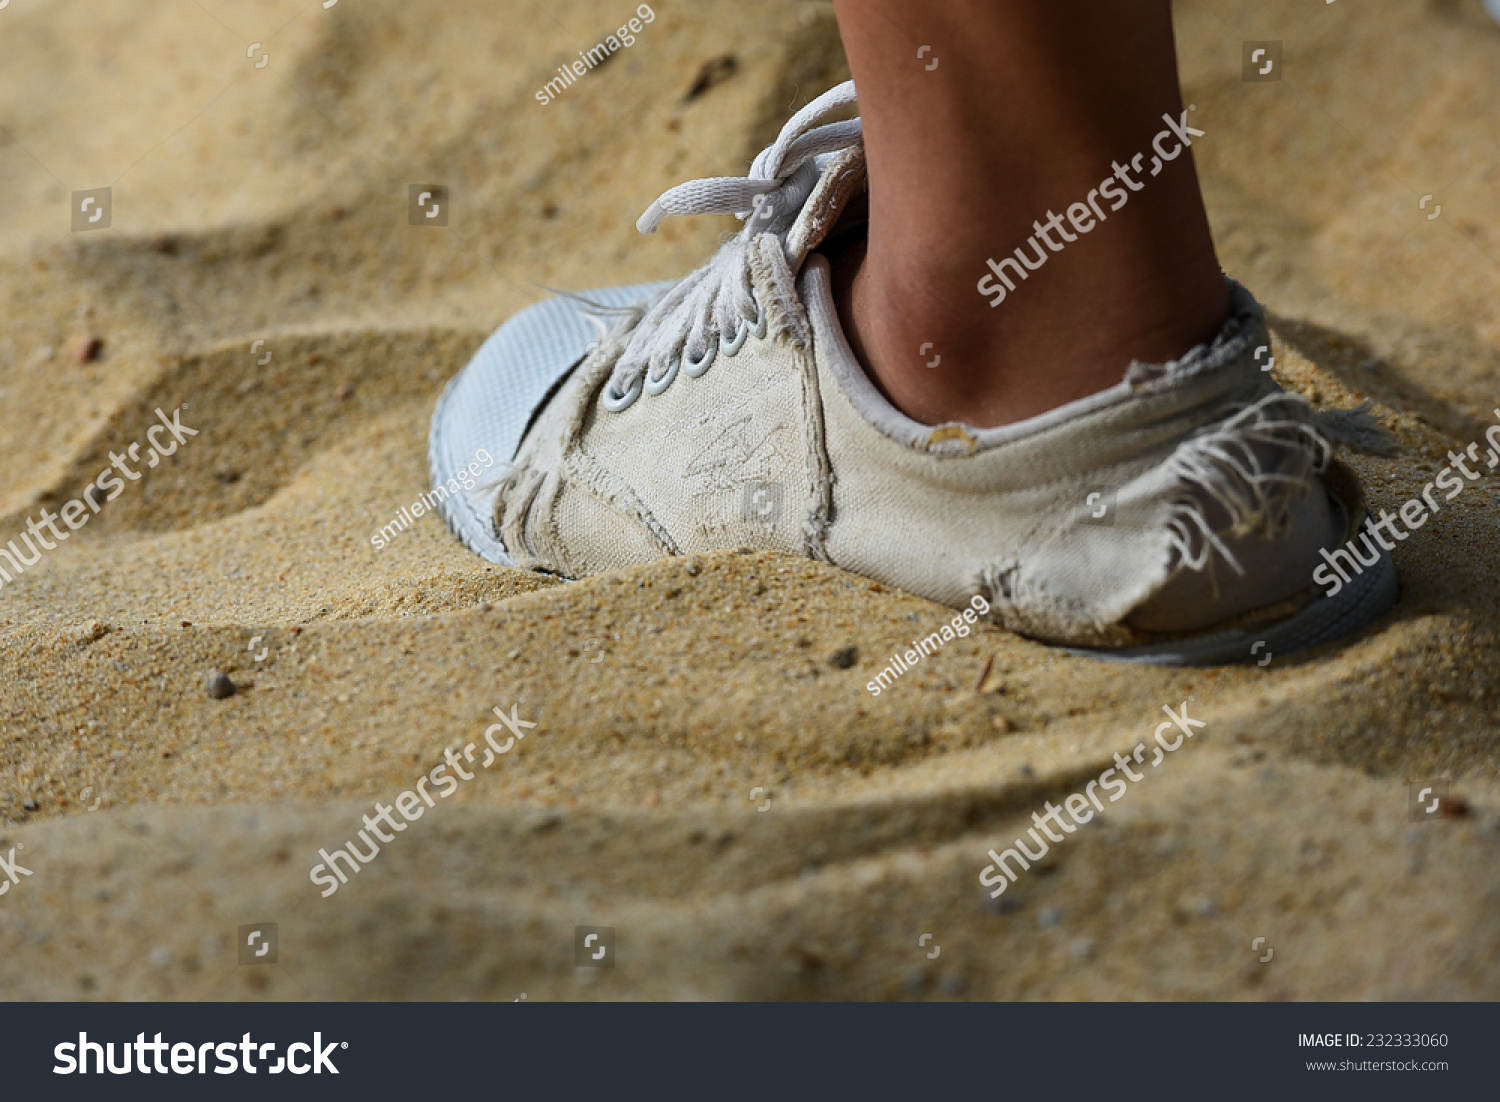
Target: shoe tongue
x,y
841,184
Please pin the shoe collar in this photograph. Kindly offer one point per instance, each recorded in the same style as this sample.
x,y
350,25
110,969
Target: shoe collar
x,y
1242,330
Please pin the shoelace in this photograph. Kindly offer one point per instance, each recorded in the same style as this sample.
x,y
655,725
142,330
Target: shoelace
x,y
713,310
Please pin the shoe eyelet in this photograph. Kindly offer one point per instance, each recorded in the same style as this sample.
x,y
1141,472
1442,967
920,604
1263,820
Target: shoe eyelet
x,y
757,328
614,402
730,346
693,368
656,386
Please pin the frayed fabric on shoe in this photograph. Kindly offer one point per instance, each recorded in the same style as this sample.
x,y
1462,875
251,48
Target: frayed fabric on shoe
x,y
1228,467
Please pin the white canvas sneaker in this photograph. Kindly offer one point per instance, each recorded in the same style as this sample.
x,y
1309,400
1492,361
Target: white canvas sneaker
x,y
1176,517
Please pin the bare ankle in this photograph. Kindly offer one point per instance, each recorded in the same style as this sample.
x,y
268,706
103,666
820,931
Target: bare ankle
x,y
937,351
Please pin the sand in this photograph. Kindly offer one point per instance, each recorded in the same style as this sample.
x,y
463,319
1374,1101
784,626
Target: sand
x,y
705,777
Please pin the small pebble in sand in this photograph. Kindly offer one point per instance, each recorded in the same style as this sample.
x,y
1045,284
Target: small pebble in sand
x,y
692,569
844,658
1005,905
87,349
219,685
714,71
29,804
1197,905
93,630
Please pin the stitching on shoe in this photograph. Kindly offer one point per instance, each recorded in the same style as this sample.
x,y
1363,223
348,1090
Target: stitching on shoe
x,y
513,504
613,491
776,288
542,524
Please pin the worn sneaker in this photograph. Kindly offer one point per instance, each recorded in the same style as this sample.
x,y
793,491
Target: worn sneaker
x,y
1175,518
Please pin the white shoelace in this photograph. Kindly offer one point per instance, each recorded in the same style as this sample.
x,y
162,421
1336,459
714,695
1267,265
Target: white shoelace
x,y
713,310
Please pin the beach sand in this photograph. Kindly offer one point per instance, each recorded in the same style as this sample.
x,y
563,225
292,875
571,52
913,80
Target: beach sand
x,y
270,204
